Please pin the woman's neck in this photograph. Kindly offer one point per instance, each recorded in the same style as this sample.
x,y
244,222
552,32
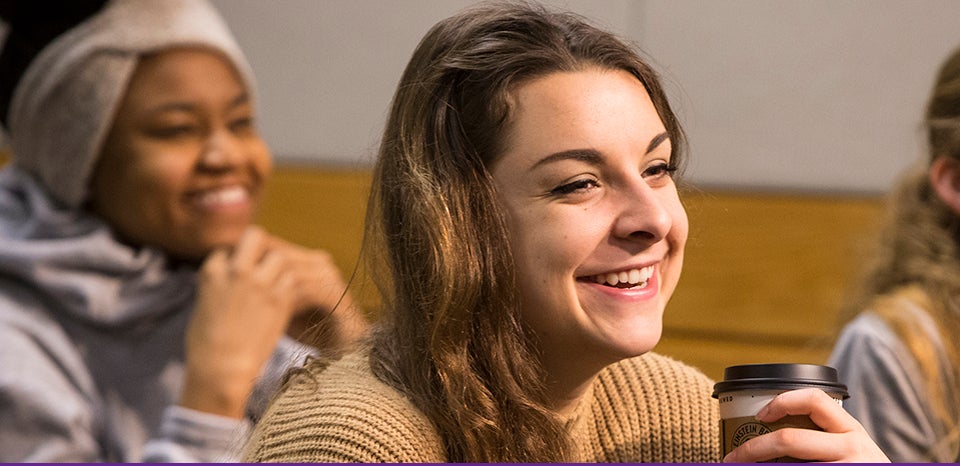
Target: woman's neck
x,y
570,379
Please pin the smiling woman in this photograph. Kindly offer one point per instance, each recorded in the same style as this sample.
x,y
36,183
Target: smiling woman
x,y
527,221
143,316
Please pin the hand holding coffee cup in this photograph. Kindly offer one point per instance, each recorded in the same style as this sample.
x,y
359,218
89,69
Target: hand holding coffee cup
x,y
760,399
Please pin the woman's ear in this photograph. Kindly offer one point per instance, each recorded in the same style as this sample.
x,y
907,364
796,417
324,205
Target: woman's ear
x,y
945,179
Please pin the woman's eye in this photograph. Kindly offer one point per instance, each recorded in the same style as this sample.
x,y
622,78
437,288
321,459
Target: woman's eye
x,y
241,125
575,186
659,171
173,131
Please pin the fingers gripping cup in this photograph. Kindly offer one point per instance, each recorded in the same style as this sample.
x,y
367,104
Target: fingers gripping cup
x,y
746,389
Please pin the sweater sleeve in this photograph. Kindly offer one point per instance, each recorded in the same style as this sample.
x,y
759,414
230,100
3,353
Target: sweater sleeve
x,y
886,391
188,436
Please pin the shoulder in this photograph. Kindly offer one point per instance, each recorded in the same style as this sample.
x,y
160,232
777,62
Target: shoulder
x,y
898,331
867,330
870,338
656,370
909,307
872,358
867,340
657,409
889,348
343,413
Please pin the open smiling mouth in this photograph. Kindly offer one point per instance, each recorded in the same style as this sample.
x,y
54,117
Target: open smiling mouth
x,y
223,196
633,278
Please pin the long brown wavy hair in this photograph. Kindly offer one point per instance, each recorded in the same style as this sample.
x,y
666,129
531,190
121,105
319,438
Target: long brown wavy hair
x,y
452,339
918,257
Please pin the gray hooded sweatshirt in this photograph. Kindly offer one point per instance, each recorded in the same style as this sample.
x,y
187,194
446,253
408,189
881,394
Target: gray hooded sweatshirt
x,y
91,344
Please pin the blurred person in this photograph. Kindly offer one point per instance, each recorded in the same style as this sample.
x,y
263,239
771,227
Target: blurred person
x,y
526,212
142,314
898,352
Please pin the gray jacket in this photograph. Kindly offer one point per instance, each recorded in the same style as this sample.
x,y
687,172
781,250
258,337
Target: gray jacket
x,y
91,344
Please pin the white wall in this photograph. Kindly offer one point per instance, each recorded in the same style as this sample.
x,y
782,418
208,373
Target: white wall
x,y
817,95
812,95
327,69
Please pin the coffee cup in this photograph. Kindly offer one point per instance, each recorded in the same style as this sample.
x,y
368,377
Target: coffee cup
x,y
747,388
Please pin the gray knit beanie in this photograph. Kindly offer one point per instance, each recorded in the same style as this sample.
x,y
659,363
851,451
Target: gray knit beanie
x,y
62,108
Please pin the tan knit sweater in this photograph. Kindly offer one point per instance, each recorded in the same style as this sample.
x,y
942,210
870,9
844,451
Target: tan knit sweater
x,y
646,409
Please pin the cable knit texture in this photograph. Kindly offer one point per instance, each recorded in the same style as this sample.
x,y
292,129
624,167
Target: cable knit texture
x,y
645,409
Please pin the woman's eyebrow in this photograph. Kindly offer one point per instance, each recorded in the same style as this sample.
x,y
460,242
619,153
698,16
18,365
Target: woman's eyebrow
x,y
241,99
589,156
174,106
656,141
188,106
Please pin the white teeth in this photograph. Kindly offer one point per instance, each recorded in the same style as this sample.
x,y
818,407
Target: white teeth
x,y
633,277
613,279
229,195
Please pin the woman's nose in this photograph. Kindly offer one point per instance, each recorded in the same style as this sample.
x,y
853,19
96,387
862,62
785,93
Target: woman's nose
x,y
643,216
221,151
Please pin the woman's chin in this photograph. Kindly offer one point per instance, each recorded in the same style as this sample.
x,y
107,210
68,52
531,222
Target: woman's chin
x,y
201,247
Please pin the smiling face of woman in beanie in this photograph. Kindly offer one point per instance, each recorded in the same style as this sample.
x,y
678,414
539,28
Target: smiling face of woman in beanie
x,y
183,165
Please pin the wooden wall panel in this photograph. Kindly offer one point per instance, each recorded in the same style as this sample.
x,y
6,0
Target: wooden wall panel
x,y
321,209
766,272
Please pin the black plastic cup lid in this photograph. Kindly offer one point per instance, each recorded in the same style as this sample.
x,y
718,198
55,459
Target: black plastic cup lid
x,y
780,377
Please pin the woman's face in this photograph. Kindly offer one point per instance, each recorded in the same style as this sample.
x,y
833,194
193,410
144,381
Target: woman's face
x,y
597,227
183,165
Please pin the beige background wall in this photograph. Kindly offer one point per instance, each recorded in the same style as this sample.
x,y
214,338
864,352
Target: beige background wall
x,y
816,95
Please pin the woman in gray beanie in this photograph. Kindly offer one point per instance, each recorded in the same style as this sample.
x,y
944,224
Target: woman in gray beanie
x,y
142,315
